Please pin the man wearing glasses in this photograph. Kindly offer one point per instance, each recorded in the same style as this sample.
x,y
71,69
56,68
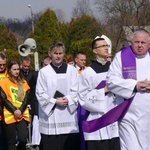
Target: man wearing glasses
x,y
3,72
97,99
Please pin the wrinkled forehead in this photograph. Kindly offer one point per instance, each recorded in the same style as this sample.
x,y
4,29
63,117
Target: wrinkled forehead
x,y
141,36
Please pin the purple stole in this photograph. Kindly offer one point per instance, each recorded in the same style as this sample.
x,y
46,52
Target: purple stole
x,y
118,112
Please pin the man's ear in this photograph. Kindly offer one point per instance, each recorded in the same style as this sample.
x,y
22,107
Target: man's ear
x,y
75,60
49,53
94,51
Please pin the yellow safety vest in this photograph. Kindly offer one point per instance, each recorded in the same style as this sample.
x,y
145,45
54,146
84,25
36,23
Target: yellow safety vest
x,y
11,91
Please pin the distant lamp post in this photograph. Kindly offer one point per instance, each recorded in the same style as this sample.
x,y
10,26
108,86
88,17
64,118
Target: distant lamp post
x,y
32,17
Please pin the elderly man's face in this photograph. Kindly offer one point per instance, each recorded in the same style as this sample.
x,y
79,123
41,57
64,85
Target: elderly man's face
x,y
140,44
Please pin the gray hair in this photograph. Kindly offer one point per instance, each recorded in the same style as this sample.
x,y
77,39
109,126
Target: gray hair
x,y
141,30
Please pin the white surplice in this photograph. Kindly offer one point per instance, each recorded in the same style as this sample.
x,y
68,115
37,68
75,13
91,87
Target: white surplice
x,y
96,102
60,120
134,128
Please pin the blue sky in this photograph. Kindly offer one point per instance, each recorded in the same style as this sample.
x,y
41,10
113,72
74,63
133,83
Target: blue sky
x,y
19,8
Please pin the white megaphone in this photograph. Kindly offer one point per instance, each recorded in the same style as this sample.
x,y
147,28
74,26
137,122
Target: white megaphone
x,y
25,48
108,41
31,43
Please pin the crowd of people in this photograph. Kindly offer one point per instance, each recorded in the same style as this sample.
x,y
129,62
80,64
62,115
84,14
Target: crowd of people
x,y
74,106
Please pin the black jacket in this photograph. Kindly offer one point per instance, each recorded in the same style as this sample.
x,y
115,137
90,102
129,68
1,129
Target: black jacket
x,y
31,79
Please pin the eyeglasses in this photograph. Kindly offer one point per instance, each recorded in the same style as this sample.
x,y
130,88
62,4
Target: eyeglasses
x,y
2,64
102,46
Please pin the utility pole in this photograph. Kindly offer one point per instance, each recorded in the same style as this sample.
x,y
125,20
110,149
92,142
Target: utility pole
x,y
32,18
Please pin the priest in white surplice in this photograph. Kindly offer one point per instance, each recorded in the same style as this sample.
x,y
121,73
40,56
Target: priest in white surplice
x,y
56,92
134,128
97,101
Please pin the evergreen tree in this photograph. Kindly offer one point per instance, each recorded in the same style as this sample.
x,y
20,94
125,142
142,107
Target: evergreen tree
x,y
7,39
65,32
82,32
46,32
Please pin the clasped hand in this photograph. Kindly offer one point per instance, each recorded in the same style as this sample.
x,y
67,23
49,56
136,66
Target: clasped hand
x,y
143,86
18,113
63,102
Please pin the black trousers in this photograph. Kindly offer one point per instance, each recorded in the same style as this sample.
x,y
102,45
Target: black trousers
x,y
112,144
61,142
16,134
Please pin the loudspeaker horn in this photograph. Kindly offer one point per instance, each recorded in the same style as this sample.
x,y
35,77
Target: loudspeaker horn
x,y
24,50
26,47
31,43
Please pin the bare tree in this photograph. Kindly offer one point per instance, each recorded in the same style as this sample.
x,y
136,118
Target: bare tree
x,y
120,13
130,12
82,8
